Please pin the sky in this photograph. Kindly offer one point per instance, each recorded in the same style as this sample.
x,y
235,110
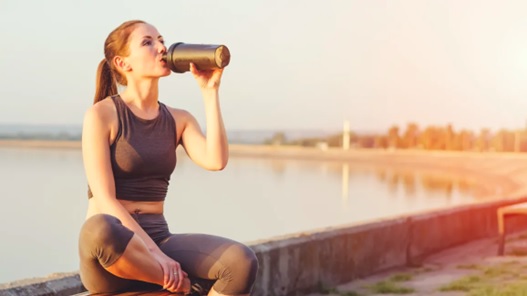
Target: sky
x,y
296,64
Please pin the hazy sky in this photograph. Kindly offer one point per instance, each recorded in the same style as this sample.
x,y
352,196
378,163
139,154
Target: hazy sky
x,y
295,64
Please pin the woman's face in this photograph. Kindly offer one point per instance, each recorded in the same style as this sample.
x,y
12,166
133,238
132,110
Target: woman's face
x,y
146,48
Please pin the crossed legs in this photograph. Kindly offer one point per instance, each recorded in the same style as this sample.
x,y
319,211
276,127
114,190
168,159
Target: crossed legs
x,y
113,259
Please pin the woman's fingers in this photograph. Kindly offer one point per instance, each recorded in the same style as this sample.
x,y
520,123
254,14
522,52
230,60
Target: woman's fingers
x,y
171,285
173,275
181,282
166,276
179,278
170,276
193,69
185,285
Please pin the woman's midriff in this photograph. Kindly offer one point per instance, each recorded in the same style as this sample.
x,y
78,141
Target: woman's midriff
x,y
138,207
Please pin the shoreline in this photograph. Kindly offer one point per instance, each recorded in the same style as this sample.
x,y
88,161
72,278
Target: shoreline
x,y
19,143
491,175
283,151
497,175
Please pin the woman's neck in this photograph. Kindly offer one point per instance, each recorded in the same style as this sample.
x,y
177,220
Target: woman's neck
x,y
142,94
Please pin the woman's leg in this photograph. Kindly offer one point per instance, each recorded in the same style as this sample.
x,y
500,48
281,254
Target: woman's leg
x,y
111,255
230,264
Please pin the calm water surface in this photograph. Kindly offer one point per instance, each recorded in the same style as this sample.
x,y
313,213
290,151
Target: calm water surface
x,y
43,194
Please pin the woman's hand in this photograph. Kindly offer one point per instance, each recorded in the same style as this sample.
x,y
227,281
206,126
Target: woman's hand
x,y
175,279
207,79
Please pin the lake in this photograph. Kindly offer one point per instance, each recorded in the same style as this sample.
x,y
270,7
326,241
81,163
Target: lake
x,y
44,200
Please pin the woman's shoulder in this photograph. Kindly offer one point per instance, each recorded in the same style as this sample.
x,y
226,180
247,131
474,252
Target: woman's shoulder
x,y
104,111
178,113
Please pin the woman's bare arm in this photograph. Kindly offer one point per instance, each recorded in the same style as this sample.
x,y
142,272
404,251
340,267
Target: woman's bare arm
x,y
211,151
96,157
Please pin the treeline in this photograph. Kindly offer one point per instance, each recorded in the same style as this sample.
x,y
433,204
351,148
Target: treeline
x,y
414,137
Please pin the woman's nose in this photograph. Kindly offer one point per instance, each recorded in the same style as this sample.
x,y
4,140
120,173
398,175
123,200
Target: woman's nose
x,y
162,48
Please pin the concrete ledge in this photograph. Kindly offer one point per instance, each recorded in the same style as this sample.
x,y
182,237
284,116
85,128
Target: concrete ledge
x,y
302,263
440,230
60,284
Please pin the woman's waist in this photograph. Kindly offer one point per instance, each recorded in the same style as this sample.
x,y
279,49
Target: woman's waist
x,y
142,207
148,215
132,207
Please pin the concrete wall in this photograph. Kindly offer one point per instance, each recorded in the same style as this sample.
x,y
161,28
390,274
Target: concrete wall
x,y
63,284
298,264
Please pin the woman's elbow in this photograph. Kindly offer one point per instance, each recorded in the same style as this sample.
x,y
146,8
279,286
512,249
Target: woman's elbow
x,y
218,165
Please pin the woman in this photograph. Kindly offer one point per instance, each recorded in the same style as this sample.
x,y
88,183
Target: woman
x,y
129,141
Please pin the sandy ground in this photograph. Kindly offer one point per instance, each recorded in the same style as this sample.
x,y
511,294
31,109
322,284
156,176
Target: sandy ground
x,y
474,260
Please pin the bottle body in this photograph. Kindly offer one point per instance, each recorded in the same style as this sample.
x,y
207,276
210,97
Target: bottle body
x,y
204,56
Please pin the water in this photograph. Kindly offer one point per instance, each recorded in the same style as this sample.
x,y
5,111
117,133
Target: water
x,y
43,196
73,132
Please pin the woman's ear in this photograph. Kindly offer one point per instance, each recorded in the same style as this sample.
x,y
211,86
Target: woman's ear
x,y
121,64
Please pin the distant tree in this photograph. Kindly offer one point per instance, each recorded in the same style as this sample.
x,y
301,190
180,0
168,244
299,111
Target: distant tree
x,y
380,141
426,138
523,140
482,140
466,138
335,140
393,137
450,138
503,141
409,138
277,139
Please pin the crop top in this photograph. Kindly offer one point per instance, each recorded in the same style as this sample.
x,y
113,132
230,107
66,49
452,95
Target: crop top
x,y
143,155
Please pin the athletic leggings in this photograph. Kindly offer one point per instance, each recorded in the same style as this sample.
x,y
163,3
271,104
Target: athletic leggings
x,y
230,267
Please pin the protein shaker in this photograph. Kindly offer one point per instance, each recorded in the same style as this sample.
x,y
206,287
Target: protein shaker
x,y
205,56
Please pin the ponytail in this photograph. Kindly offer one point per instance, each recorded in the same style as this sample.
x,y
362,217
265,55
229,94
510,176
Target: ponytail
x,y
105,84
108,77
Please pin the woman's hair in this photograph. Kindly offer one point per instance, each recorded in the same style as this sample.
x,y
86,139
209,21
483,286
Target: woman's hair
x,y
107,75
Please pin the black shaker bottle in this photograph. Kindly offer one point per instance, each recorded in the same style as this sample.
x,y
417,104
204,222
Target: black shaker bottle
x,y
204,56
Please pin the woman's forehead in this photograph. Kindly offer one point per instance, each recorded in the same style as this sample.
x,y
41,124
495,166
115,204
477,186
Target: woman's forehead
x,y
142,30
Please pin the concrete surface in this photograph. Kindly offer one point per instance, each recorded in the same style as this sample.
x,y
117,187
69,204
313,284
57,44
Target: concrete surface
x,y
473,259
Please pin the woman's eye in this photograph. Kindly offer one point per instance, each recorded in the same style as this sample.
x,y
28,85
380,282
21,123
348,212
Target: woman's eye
x,y
162,41
147,42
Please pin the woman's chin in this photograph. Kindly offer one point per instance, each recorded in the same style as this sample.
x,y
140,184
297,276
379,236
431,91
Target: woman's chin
x,y
166,73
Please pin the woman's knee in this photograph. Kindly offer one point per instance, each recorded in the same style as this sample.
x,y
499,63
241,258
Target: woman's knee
x,y
100,228
244,259
104,237
241,266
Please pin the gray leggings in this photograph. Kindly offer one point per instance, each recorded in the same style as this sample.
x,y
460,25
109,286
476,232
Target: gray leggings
x,y
210,260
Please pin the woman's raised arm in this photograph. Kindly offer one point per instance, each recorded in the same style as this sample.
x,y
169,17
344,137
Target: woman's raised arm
x,y
211,151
